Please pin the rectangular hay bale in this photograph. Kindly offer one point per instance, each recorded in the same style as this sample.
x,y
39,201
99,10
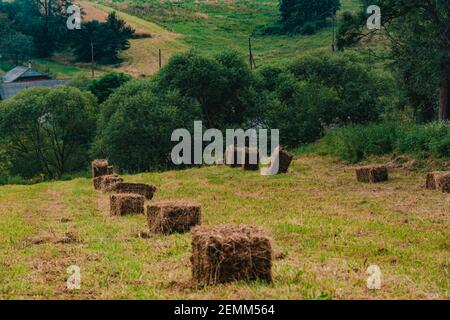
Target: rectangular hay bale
x,y
167,217
97,181
99,168
126,203
374,173
143,189
438,180
110,170
109,182
106,183
285,159
226,253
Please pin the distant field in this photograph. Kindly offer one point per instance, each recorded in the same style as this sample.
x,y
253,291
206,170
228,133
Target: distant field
x,y
326,230
215,25
142,57
208,26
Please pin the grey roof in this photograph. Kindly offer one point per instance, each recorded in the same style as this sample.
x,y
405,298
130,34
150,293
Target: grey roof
x,y
9,90
21,72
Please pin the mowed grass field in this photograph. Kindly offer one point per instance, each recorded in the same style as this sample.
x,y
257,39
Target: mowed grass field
x,y
326,230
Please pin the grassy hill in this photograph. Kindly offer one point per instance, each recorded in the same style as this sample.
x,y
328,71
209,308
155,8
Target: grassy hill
x,y
326,230
215,25
208,26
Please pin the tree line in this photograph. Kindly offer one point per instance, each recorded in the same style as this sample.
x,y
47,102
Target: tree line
x,y
38,28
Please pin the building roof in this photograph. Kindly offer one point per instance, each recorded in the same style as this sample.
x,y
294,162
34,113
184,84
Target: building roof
x,y
9,90
22,73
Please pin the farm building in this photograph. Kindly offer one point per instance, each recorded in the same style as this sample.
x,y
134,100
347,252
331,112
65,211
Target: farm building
x,y
21,78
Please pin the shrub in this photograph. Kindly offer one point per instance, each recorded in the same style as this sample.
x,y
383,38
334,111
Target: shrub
x,y
103,87
298,109
48,131
222,86
313,93
357,142
136,124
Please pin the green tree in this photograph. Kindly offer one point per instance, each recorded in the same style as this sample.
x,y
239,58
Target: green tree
x,y
306,16
419,36
102,88
297,109
43,20
316,92
136,124
16,47
222,86
108,39
48,131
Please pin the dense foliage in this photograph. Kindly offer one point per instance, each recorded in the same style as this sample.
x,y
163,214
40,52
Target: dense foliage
x,y
34,28
47,131
418,34
316,92
136,124
357,142
103,40
303,16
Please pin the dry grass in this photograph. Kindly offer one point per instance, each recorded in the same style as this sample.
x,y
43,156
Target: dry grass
x,y
142,59
326,230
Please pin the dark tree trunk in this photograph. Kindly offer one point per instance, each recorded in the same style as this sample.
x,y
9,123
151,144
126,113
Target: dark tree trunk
x,y
444,98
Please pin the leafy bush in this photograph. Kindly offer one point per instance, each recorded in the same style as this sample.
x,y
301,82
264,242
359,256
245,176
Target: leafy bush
x,y
311,94
298,109
136,124
355,143
222,86
48,131
306,16
103,87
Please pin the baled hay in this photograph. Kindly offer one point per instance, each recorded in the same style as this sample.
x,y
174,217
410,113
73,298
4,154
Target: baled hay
x,y
98,182
226,253
109,182
375,173
106,183
99,168
251,159
145,190
126,203
438,180
110,170
167,217
285,159
444,183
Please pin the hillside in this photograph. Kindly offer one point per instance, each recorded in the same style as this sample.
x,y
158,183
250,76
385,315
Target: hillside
x,y
207,26
213,26
326,229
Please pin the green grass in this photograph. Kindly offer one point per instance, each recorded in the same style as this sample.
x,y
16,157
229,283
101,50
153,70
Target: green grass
x,y
212,26
326,230
207,26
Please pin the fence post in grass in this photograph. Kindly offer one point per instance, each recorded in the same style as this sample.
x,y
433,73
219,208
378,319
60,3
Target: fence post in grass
x,y
333,41
160,58
92,60
250,54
